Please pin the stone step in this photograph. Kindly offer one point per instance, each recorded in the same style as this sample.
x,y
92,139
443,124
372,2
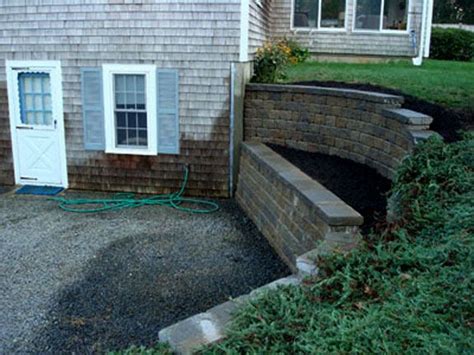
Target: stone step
x,y
422,135
409,117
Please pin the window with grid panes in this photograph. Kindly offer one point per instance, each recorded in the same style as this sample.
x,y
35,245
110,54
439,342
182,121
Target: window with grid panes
x,y
130,110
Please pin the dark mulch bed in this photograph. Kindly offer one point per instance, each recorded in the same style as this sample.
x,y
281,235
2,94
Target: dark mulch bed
x,y
447,122
360,186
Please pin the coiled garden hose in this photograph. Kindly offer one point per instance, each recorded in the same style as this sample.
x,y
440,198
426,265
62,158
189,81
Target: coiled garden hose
x,y
128,200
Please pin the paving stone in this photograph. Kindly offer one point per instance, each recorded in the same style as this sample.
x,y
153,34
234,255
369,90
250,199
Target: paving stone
x,y
190,334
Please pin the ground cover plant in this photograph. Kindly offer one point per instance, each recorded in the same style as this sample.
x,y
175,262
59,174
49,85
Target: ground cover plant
x,y
406,289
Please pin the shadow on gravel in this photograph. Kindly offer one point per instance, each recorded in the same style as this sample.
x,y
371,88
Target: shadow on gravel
x,y
142,283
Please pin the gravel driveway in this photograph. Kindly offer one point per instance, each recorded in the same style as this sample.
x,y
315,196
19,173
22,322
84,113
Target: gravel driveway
x,y
94,282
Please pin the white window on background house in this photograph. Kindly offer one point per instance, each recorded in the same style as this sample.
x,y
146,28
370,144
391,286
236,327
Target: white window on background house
x,y
130,109
381,15
319,14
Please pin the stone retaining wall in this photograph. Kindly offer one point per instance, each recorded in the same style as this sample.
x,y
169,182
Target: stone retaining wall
x,y
369,128
294,212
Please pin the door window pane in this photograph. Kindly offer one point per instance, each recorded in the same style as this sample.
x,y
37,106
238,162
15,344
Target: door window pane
x,y
35,98
395,15
306,13
130,110
368,14
333,13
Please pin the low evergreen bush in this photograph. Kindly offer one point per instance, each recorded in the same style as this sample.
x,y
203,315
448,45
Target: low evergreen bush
x,y
452,44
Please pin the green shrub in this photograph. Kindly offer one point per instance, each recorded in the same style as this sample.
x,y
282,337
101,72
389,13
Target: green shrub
x,y
407,289
452,44
272,60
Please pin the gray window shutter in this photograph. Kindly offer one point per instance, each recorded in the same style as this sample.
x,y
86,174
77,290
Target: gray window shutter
x,y
92,108
167,87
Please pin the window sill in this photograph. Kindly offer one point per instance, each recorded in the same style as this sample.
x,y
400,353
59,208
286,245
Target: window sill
x,y
378,32
130,151
318,30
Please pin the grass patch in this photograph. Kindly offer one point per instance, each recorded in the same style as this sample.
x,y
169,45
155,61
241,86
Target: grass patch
x,y
447,83
158,349
407,289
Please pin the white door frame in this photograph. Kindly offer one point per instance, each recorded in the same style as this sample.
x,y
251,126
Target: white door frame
x,y
54,68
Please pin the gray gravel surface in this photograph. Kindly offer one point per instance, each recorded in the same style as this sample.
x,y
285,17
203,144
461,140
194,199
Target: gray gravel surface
x,y
87,283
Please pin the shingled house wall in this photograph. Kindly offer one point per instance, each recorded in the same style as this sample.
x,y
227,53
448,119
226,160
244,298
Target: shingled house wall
x,y
6,160
259,24
199,38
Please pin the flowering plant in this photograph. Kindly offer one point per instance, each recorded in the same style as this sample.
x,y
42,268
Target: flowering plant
x,y
272,60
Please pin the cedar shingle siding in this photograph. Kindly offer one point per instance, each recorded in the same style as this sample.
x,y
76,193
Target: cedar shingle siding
x,y
259,24
199,38
6,162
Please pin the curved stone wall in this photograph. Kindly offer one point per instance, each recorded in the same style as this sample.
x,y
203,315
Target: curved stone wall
x,y
369,128
294,212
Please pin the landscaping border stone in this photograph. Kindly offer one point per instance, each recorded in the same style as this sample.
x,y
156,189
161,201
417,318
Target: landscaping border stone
x,y
192,333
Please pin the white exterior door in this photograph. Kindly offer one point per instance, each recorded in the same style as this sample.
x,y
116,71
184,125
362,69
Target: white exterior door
x,y
37,122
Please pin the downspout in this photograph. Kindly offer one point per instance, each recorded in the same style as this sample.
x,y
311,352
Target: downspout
x,y
418,60
232,130
429,23
243,57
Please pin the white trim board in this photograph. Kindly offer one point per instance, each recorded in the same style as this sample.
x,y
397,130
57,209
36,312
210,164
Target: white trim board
x,y
244,30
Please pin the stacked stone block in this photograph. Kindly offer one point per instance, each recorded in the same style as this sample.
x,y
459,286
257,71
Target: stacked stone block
x,y
294,212
369,128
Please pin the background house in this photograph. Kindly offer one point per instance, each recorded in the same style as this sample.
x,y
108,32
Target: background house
x,y
119,95
357,28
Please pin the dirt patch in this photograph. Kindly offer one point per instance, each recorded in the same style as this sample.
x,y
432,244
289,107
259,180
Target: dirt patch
x,y
447,122
360,186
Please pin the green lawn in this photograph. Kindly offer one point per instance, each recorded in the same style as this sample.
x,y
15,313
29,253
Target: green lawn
x,y
450,84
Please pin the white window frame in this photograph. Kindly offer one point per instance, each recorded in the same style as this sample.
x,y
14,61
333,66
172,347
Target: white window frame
x,y
319,28
381,29
108,71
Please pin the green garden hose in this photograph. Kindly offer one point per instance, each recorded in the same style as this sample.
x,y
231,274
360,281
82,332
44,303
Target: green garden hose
x,y
128,200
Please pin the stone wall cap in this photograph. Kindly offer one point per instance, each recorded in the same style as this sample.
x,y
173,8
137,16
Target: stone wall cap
x,y
327,205
407,116
338,92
